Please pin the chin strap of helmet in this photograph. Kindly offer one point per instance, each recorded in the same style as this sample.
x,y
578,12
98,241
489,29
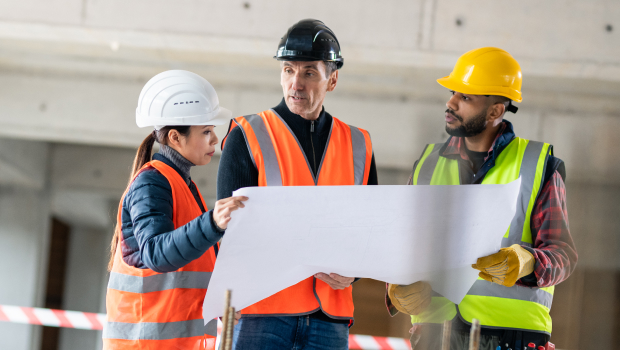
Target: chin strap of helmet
x,y
512,108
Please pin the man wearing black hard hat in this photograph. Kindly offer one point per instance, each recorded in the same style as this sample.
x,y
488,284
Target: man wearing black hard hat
x,y
297,143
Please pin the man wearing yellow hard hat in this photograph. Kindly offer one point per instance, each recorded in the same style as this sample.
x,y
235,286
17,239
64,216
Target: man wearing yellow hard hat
x,y
513,295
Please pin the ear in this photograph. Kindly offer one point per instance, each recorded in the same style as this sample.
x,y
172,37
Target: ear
x,y
174,138
496,112
333,80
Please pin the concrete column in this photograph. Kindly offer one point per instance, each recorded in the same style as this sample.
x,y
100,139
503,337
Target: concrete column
x,y
86,275
24,233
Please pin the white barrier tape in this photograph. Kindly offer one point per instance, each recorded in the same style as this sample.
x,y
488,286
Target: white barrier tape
x,y
89,320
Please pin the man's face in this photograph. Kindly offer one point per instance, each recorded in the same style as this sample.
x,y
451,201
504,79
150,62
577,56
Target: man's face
x,y
466,115
304,85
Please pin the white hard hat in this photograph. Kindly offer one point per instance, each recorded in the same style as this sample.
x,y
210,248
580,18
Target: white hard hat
x,y
179,97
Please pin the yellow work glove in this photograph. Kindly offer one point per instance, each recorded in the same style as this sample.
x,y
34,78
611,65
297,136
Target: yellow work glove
x,y
411,299
506,266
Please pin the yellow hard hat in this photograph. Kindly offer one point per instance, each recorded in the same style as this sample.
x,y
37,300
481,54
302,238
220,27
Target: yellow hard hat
x,y
486,71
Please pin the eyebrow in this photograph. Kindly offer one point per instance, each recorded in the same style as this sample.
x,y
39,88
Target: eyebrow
x,y
315,65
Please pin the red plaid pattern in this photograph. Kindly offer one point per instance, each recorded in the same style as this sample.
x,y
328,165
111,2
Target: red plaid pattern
x,y
553,248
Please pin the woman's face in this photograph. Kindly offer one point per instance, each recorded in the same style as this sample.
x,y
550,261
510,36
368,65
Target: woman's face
x,y
198,146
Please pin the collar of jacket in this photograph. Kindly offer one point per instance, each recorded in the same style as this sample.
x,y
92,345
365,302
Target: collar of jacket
x,y
162,158
299,124
496,148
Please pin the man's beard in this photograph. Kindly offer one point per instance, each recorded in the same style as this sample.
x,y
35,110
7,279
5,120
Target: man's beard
x,y
472,128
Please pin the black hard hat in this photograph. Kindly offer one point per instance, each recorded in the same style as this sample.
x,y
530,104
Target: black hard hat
x,y
309,40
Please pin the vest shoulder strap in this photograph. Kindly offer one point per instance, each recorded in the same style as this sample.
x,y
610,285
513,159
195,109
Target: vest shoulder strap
x,y
260,147
362,153
425,166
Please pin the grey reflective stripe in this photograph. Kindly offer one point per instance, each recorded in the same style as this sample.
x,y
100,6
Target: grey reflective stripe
x,y
270,160
154,330
358,141
211,327
428,166
488,289
246,142
528,176
156,283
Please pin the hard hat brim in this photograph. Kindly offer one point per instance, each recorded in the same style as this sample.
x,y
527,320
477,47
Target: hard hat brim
x,y
221,117
459,86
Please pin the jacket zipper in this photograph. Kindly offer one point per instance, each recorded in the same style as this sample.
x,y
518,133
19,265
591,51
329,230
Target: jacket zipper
x,y
312,143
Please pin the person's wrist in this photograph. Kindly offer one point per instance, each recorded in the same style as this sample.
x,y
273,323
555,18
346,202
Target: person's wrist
x,y
215,225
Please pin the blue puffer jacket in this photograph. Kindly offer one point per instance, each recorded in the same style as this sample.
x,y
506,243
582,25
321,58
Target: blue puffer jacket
x,y
149,238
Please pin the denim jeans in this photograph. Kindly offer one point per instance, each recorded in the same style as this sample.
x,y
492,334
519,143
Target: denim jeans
x,y
289,332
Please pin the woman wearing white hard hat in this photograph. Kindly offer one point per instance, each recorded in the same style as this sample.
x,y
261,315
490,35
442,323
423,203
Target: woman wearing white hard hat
x,y
165,244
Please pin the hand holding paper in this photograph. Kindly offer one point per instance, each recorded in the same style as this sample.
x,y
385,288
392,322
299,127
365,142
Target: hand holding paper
x,y
335,280
411,299
224,207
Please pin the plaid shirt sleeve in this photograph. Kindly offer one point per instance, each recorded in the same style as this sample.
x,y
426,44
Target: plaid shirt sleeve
x,y
553,247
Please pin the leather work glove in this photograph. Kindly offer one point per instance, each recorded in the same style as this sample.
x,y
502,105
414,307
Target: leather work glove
x,y
410,299
506,266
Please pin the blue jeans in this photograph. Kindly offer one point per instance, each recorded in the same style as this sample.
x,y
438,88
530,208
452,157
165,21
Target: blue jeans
x,y
289,332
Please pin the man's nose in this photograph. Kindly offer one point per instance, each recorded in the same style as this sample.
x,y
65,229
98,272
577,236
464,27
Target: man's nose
x,y
451,104
297,83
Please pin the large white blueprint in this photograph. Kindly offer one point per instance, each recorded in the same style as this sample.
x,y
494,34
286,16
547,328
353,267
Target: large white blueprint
x,y
395,234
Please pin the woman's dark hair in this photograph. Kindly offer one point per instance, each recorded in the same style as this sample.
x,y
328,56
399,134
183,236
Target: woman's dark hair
x,y
143,156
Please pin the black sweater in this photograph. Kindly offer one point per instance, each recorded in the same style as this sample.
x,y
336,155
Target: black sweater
x,y
237,170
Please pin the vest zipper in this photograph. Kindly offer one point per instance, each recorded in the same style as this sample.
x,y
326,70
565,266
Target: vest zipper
x,y
312,143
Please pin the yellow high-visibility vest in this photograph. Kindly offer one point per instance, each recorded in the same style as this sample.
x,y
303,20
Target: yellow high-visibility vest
x,y
496,306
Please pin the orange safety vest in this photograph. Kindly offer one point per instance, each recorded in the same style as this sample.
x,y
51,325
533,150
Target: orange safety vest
x,y
156,311
280,161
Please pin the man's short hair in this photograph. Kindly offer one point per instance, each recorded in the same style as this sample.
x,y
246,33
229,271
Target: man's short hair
x,y
503,100
330,67
499,99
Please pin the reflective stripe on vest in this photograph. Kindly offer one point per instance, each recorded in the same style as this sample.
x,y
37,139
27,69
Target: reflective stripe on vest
x,y
159,331
270,160
495,305
281,161
150,310
161,282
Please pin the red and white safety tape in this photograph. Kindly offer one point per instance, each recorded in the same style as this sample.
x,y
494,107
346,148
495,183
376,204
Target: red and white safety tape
x,y
94,321
378,343
52,317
